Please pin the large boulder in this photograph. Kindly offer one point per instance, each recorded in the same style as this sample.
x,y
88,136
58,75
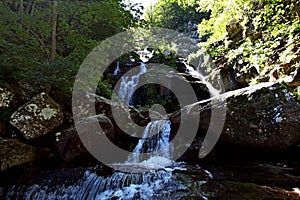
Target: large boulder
x,y
37,117
68,143
13,152
264,117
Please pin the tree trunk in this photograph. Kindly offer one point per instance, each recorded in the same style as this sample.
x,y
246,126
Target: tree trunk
x,y
28,7
54,26
296,9
32,8
21,8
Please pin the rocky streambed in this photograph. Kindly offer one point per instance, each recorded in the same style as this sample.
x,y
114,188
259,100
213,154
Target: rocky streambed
x,y
256,156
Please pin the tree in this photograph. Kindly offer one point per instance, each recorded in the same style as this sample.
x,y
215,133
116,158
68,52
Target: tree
x,y
47,30
46,41
222,13
53,46
174,14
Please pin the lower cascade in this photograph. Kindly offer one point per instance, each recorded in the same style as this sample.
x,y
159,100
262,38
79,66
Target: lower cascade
x,y
119,185
156,137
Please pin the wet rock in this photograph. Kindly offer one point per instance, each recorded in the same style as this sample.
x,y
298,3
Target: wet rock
x,y
264,117
121,115
201,90
120,111
281,174
13,152
68,143
239,190
192,154
104,122
37,117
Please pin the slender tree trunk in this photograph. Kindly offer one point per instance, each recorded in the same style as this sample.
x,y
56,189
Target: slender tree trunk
x,y
28,6
21,8
32,8
296,9
54,26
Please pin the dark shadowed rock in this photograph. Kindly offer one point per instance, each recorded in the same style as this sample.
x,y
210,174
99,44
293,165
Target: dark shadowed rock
x,y
68,143
13,152
3,129
37,117
234,31
238,190
264,117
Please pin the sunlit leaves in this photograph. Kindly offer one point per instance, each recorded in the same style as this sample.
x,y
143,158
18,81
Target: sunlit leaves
x,y
222,13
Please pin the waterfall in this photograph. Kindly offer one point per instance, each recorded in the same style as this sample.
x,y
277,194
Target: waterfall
x,y
128,85
155,137
118,185
117,69
153,178
197,73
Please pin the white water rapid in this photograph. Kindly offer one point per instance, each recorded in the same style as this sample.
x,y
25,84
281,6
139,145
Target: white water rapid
x,y
128,85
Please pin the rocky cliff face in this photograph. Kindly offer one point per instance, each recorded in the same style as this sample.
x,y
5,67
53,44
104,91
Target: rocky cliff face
x,y
263,117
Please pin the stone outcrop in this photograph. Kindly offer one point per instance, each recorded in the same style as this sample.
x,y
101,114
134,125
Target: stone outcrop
x,y
264,117
13,152
68,143
37,117
234,31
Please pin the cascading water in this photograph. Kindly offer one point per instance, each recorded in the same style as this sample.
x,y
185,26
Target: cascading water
x,y
120,185
197,73
128,85
152,143
155,177
94,187
117,69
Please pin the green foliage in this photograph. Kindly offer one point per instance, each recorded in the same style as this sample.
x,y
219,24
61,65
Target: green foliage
x,y
269,39
60,74
26,30
174,14
104,89
222,13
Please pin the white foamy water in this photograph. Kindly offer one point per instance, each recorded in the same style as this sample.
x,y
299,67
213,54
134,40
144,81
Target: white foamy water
x,y
117,69
129,83
197,73
159,144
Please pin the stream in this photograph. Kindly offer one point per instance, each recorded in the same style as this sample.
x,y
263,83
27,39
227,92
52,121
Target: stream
x,y
159,177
